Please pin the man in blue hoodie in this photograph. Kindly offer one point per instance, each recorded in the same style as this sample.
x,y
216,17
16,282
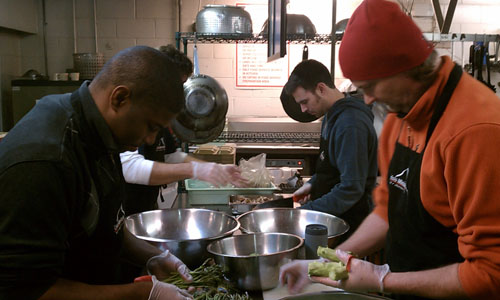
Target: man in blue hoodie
x,y
346,170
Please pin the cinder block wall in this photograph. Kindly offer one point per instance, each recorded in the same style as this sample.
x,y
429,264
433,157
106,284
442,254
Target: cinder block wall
x,y
124,23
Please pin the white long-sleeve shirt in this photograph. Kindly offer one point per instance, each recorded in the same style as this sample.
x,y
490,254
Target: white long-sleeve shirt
x,y
137,169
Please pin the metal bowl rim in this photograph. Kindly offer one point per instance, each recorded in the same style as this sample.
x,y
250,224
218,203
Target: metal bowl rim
x,y
301,242
222,6
243,229
152,239
311,295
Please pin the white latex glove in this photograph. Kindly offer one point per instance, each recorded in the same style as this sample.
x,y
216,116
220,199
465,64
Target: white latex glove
x,y
217,174
363,276
166,291
164,264
294,274
303,194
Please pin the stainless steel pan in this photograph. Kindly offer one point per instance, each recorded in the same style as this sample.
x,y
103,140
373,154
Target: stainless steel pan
x,y
206,104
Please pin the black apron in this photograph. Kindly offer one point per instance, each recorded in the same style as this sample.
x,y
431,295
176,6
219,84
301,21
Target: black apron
x,y
415,240
327,176
144,197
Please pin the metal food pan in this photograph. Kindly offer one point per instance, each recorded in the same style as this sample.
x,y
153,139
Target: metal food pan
x,y
200,192
238,206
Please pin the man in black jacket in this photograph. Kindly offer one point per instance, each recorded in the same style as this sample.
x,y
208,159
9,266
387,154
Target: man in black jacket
x,y
61,215
346,170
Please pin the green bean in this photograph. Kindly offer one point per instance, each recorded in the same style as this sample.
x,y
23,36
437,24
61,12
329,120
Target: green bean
x,y
210,278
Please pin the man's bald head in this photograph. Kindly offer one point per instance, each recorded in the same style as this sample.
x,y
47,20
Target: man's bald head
x,y
153,80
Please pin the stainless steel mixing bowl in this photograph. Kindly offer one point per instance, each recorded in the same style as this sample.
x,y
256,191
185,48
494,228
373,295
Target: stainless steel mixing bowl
x,y
185,232
223,19
253,261
291,220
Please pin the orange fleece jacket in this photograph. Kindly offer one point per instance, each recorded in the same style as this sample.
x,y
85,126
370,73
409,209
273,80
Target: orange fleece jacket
x,y
460,175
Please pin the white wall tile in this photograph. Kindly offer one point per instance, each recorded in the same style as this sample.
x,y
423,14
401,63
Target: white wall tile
x,y
59,28
120,9
204,50
467,14
426,24
86,45
106,28
110,47
258,107
155,43
219,68
478,28
84,9
32,62
58,64
423,10
59,9
9,45
31,45
479,2
165,28
135,28
224,51
85,28
156,9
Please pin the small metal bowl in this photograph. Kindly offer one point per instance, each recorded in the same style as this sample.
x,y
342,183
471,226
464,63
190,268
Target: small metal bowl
x,y
185,232
291,220
253,261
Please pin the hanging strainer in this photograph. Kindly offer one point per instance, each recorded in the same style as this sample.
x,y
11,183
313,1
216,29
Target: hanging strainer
x,y
88,64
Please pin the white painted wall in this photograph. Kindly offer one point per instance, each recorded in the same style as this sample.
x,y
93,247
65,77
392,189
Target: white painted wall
x,y
124,23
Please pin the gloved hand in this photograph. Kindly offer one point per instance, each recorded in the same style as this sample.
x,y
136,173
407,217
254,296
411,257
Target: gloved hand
x,y
162,265
363,276
294,274
166,291
303,194
217,174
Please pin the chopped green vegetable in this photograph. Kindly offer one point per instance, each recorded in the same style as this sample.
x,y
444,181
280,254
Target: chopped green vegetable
x,y
334,270
327,253
211,284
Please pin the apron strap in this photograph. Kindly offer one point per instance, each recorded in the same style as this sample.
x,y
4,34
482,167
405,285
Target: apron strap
x,y
443,100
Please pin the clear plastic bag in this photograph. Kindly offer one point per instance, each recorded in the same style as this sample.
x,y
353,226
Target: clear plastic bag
x,y
255,172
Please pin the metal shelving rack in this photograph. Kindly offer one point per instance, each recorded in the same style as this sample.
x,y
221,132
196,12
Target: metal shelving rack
x,y
186,37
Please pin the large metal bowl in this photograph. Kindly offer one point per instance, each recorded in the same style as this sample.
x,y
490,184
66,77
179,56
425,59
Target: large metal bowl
x,y
253,261
291,220
223,19
185,232
334,295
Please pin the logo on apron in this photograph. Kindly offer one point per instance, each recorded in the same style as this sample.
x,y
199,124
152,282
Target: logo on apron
x,y
399,180
322,156
120,218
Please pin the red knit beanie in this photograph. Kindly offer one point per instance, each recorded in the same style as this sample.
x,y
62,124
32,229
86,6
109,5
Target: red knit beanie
x,y
381,41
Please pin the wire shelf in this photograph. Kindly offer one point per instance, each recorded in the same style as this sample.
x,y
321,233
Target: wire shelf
x,y
249,38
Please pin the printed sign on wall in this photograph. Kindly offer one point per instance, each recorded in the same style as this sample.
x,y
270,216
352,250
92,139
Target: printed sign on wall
x,y
253,70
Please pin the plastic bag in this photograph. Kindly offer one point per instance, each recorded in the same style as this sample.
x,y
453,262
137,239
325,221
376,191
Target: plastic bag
x,y
255,172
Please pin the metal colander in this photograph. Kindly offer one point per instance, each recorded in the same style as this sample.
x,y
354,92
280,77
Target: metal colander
x,y
88,64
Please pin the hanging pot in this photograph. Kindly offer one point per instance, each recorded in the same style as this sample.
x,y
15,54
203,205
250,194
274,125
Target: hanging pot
x,y
204,115
291,107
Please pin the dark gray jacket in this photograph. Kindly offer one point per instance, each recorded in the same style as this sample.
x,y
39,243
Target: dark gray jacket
x,y
346,171
60,205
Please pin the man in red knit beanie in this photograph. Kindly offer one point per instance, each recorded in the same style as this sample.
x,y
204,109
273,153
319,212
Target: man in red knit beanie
x,y
436,214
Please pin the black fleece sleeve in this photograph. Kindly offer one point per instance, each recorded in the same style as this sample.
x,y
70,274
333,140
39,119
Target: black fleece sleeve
x,y
35,214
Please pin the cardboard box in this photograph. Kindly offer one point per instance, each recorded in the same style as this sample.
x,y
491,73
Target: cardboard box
x,y
225,154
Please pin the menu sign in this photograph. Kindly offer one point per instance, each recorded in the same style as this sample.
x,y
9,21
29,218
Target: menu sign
x,y
253,70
